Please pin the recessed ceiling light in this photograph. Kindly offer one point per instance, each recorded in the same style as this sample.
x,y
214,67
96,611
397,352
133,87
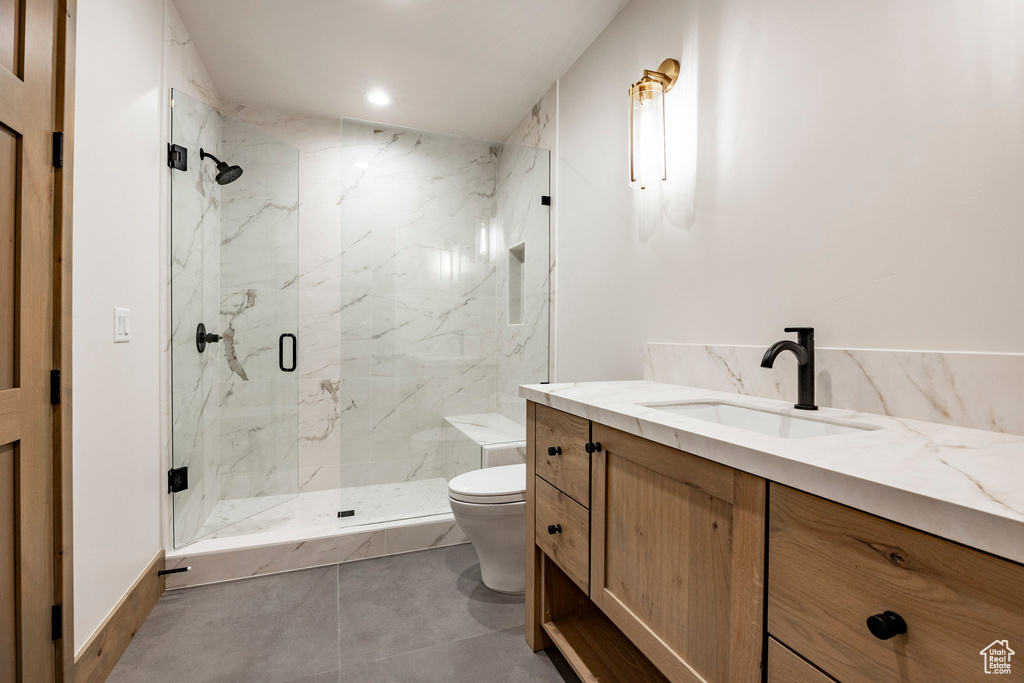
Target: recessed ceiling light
x,y
362,164
378,97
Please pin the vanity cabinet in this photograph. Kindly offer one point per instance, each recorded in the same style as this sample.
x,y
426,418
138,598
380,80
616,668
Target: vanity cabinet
x,y
831,567
671,585
647,563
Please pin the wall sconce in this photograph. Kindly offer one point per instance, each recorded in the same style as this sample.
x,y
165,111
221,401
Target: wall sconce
x,y
647,124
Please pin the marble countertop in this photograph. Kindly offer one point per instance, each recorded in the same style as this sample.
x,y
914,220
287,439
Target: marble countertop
x,y
965,485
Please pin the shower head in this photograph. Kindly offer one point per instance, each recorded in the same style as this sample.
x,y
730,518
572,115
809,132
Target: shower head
x,y
225,174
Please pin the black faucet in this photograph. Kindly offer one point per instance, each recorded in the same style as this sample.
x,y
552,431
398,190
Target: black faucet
x,y
803,349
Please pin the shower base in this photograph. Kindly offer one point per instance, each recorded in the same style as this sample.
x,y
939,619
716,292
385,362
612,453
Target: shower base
x,y
305,531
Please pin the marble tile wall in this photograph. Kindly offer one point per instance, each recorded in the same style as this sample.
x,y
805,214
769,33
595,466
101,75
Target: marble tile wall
x,y
412,205
191,270
333,320
975,390
258,303
194,273
387,346
539,129
390,343
521,219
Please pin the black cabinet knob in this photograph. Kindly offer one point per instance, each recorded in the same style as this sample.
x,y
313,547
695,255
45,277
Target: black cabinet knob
x,y
591,447
554,450
554,528
886,625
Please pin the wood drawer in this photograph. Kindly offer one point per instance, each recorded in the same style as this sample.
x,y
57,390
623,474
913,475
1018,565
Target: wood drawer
x,y
569,471
570,547
830,567
784,666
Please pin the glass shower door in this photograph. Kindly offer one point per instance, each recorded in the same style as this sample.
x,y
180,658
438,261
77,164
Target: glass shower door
x,y
234,262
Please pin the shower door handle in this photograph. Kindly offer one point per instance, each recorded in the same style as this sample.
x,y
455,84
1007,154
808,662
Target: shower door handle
x,y
280,352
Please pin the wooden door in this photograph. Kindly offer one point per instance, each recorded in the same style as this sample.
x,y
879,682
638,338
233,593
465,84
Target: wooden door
x,y
27,315
677,557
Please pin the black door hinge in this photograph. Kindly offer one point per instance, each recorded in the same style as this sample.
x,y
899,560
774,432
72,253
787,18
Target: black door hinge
x,y
545,200
177,157
58,149
55,387
57,622
177,479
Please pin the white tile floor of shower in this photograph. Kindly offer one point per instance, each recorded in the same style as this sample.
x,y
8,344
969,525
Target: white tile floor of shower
x,y
305,531
315,513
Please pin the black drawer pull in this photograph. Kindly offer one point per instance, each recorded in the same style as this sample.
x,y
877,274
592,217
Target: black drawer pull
x,y
886,625
554,528
591,447
554,450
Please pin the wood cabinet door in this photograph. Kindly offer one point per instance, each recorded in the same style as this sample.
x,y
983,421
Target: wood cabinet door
x,y
27,29
677,557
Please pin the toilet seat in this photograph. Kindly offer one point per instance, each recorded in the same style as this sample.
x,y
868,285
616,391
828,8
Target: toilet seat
x,y
490,486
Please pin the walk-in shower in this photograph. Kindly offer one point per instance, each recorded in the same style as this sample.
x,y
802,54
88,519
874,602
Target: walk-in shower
x,y
376,306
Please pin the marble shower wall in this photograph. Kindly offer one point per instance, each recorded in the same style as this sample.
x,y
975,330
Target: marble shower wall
x,y
522,348
388,344
975,390
194,289
333,320
258,303
538,129
412,208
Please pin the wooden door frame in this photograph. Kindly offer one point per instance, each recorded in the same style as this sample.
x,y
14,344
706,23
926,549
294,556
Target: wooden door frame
x,y
63,589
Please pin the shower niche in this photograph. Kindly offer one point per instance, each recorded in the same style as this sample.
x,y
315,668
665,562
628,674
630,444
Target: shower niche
x,y
516,263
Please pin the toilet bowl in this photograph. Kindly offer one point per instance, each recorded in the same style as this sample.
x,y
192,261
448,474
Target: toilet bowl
x,y
490,507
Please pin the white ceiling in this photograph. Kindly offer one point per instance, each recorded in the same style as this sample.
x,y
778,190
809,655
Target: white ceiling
x,y
469,67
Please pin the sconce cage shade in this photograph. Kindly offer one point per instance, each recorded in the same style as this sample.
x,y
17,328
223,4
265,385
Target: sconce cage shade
x,y
647,154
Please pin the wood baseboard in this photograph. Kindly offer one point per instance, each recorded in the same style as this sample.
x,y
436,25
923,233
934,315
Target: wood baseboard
x,y
98,656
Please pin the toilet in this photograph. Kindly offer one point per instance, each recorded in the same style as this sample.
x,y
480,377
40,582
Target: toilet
x,y
490,507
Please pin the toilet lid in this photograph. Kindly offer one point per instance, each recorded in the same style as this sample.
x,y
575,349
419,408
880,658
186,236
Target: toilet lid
x,y
505,484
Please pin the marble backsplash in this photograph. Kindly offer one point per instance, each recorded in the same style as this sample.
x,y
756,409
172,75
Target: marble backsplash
x,y
974,390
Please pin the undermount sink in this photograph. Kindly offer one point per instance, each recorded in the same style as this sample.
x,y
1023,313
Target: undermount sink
x,y
779,424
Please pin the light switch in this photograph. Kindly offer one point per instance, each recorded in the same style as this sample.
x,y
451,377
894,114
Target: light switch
x,y
122,326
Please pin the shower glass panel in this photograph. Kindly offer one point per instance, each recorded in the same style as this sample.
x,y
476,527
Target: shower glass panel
x,y
234,261
429,225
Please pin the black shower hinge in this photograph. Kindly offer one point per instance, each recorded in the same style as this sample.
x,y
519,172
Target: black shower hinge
x,y
58,149
545,200
55,387
177,157
347,513
177,479
57,622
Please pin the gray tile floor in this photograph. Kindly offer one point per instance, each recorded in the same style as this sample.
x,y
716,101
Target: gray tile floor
x,y
422,616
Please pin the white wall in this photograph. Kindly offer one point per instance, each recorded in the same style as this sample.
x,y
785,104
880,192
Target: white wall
x,y
855,166
119,164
